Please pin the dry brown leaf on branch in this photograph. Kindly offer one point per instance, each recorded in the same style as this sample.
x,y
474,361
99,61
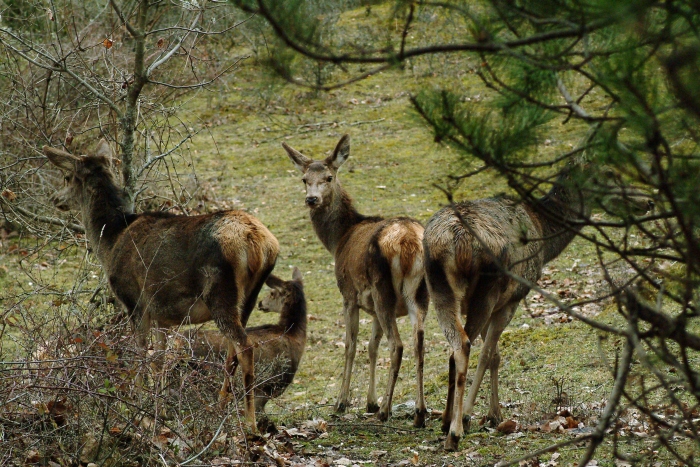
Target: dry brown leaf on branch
x,y
107,43
9,194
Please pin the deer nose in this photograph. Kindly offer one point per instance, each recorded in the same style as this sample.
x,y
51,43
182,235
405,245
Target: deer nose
x,y
311,200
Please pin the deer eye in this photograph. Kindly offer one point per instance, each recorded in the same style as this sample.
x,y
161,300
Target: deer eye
x,y
303,180
329,179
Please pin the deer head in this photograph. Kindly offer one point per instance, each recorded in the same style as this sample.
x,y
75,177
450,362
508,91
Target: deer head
x,y
281,292
77,171
320,176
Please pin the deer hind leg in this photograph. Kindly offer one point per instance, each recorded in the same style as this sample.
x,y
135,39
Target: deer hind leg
x,y
223,297
447,299
244,354
449,405
141,323
417,305
385,303
252,297
372,350
351,313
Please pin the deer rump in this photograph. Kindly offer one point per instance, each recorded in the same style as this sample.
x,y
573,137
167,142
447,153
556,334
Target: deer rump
x,y
383,254
472,241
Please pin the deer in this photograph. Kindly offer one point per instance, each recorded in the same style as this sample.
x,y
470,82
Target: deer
x,y
278,347
472,251
378,268
168,269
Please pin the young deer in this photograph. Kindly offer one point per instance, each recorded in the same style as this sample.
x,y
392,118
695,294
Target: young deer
x,y
167,269
278,347
378,267
467,248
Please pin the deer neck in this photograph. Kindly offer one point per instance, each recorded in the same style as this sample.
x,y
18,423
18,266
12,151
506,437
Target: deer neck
x,y
334,221
555,212
105,212
293,318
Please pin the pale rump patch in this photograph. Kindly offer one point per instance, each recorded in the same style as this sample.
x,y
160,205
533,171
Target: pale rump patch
x,y
403,242
245,241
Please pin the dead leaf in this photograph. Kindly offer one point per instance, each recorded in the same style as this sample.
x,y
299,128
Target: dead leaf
x,y
49,13
507,427
8,194
107,43
160,43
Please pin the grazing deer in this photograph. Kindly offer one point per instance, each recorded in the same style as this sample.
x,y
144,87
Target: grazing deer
x,y
167,269
378,267
277,347
467,248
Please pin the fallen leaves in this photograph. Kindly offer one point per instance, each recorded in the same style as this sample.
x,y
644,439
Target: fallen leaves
x,y
507,427
8,194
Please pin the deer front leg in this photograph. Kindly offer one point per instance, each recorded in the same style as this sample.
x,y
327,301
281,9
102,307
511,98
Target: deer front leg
x,y
351,313
372,350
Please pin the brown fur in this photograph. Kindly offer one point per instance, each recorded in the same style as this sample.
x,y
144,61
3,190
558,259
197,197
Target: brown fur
x,y
378,267
167,269
466,248
276,347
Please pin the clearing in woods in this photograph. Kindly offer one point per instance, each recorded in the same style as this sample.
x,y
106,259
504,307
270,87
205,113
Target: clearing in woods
x,y
549,363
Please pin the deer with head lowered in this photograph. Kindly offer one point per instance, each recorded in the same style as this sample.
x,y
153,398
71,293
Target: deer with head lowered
x,y
378,268
166,269
469,248
276,347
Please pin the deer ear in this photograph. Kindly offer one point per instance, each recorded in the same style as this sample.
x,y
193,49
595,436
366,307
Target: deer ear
x,y
274,282
103,149
340,154
296,275
300,161
61,159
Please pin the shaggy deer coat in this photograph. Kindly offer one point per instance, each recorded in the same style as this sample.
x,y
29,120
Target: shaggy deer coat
x,y
378,268
468,248
169,270
276,347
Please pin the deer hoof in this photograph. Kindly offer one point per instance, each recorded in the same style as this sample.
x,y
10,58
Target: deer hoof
x,y
341,407
372,407
445,425
452,442
419,418
466,421
494,419
224,398
383,416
